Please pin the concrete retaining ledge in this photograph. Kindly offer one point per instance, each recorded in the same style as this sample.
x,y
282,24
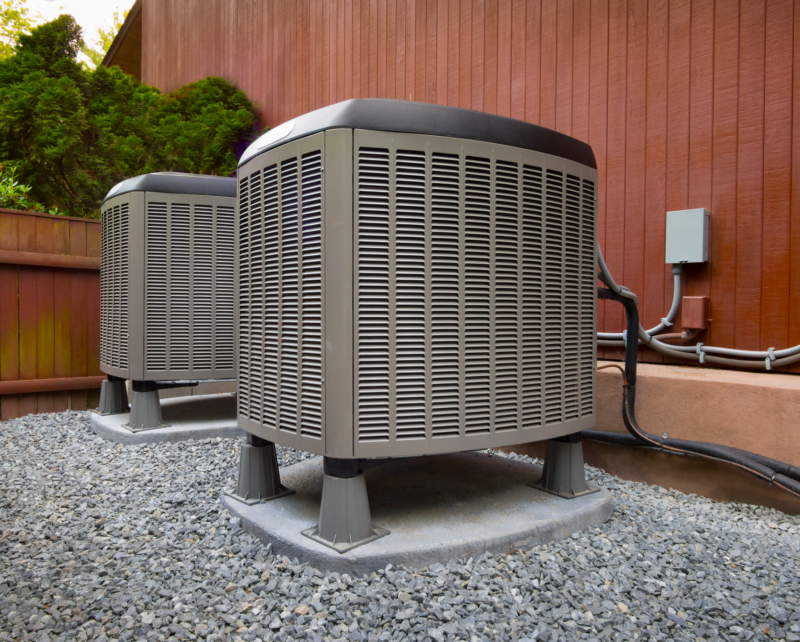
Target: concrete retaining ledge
x,y
197,417
435,508
754,411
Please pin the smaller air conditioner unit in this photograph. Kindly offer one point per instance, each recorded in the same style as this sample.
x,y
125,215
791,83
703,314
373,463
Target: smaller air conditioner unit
x,y
166,287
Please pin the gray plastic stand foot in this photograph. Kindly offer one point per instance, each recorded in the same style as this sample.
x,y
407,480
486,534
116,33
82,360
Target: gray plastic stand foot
x,y
259,476
113,397
344,517
563,473
145,410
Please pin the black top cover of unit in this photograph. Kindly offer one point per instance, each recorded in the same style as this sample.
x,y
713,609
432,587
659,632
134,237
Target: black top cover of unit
x,y
403,116
176,183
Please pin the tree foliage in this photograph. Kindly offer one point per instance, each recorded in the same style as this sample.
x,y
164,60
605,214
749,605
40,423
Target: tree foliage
x,y
14,21
104,37
73,133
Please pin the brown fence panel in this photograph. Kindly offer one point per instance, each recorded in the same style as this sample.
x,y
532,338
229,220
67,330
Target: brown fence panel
x,y
49,313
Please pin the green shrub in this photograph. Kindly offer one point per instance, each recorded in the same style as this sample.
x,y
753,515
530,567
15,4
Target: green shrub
x,y
72,133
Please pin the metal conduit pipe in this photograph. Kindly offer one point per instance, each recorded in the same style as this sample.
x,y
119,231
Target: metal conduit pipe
x,y
666,322
701,353
736,457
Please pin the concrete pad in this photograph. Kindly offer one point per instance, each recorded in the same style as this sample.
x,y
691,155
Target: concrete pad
x,y
436,508
197,417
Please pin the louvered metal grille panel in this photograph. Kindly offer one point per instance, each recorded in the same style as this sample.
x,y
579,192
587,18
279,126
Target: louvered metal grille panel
x,y
446,312
373,259
114,286
311,296
588,299
224,287
157,288
280,299
475,303
188,289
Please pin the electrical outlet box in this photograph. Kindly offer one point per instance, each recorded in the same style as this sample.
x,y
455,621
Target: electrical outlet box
x,y
687,236
694,313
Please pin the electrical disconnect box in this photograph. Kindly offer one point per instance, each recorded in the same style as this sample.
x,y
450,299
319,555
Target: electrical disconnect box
x,y
687,236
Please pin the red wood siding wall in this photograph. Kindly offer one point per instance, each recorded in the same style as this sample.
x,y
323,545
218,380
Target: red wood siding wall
x,y
49,317
687,103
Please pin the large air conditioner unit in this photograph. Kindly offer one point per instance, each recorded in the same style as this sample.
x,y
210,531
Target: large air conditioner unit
x,y
167,285
414,279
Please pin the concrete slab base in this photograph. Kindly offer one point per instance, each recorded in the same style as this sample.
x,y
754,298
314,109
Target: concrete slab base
x,y
197,417
435,508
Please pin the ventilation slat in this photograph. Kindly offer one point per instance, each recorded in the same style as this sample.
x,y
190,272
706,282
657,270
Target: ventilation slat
x,y
114,286
477,273
372,297
445,296
311,295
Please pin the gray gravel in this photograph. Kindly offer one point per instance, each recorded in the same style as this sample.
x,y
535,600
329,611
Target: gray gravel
x,y
104,541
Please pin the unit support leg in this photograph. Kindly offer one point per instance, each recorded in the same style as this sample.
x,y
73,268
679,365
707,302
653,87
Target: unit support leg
x,y
344,517
563,473
259,476
145,407
113,396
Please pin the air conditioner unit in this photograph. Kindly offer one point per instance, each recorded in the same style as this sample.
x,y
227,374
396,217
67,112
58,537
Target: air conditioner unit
x,y
167,283
414,279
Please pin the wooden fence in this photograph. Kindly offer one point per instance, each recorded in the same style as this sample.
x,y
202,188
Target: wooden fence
x,y
49,313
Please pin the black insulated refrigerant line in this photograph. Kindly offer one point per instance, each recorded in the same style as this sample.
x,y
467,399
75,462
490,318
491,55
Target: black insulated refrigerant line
x,y
774,472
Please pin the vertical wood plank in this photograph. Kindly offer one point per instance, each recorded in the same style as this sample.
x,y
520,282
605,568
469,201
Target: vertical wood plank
x,y
633,273
340,51
79,318
477,76
26,238
490,52
518,58
420,65
701,137
27,333
93,240
794,284
9,231
62,323
504,41
9,338
411,48
431,39
614,252
453,52
722,250
380,41
45,335
678,113
400,54
581,42
655,166
465,56
547,81
77,238
776,274
750,175
391,49
564,29
533,60
598,123
93,324
442,43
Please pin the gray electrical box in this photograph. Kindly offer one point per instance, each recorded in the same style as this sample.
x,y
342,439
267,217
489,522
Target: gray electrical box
x,y
687,236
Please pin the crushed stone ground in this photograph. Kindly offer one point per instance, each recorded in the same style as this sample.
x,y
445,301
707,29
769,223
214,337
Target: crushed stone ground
x,y
108,542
